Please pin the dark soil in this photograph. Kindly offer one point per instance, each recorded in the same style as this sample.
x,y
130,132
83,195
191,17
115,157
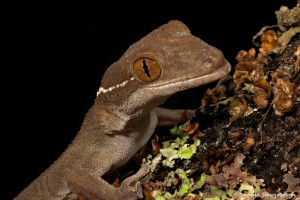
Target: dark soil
x,y
277,145
269,142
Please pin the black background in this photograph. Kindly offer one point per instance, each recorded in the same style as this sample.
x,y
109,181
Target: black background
x,y
54,54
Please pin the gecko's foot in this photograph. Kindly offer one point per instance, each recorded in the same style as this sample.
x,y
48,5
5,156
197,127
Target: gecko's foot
x,y
131,187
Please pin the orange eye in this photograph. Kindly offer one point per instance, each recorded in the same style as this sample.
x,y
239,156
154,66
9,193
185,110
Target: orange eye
x,y
146,69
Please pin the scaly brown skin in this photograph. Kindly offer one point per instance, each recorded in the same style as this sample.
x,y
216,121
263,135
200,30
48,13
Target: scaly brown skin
x,y
125,113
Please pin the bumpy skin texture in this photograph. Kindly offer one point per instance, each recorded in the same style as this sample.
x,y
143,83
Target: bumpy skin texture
x,y
125,114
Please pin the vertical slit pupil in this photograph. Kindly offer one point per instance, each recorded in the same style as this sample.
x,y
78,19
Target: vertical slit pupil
x,y
146,70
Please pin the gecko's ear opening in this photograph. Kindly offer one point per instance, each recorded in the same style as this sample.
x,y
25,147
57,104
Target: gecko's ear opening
x,y
146,69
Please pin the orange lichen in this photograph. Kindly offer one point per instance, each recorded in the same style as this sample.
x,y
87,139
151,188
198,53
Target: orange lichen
x,y
155,146
248,69
234,135
116,182
297,53
297,63
246,72
249,143
285,96
193,130
209,98
279,73
246,56
262,92
212,96
237,108
269,42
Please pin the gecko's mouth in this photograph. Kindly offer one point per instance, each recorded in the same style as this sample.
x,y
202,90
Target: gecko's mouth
x,y
193,80
189,90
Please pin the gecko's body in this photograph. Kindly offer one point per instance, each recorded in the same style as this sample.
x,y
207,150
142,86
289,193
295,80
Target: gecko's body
x,y
125,114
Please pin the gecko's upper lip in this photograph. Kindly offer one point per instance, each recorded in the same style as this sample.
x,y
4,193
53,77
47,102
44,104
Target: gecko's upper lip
x,y
195,81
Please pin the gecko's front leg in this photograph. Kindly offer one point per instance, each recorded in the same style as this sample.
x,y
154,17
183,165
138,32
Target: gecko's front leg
x,y
88,184
169,117
131,187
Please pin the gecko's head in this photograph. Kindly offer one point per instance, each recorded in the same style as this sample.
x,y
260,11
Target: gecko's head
x,y
168,60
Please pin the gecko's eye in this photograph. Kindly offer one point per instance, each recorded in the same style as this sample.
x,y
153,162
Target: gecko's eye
x,y
146,69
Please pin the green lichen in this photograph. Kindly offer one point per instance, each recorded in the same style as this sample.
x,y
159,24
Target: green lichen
x,y
160,198
179,130
248,87
184,189
213,198
178,148
182,148
169,154
201,181
187,187
187,151
246,188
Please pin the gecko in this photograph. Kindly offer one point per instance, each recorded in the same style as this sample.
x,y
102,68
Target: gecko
x,y
125,113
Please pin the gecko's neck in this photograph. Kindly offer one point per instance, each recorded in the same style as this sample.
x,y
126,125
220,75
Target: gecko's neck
x,y
110,118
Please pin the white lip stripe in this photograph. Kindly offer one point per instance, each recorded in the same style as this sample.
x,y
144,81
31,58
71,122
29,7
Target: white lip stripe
x,y
105,90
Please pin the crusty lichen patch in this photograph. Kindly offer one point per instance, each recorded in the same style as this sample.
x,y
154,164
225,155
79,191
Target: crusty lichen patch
x,y
244,141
